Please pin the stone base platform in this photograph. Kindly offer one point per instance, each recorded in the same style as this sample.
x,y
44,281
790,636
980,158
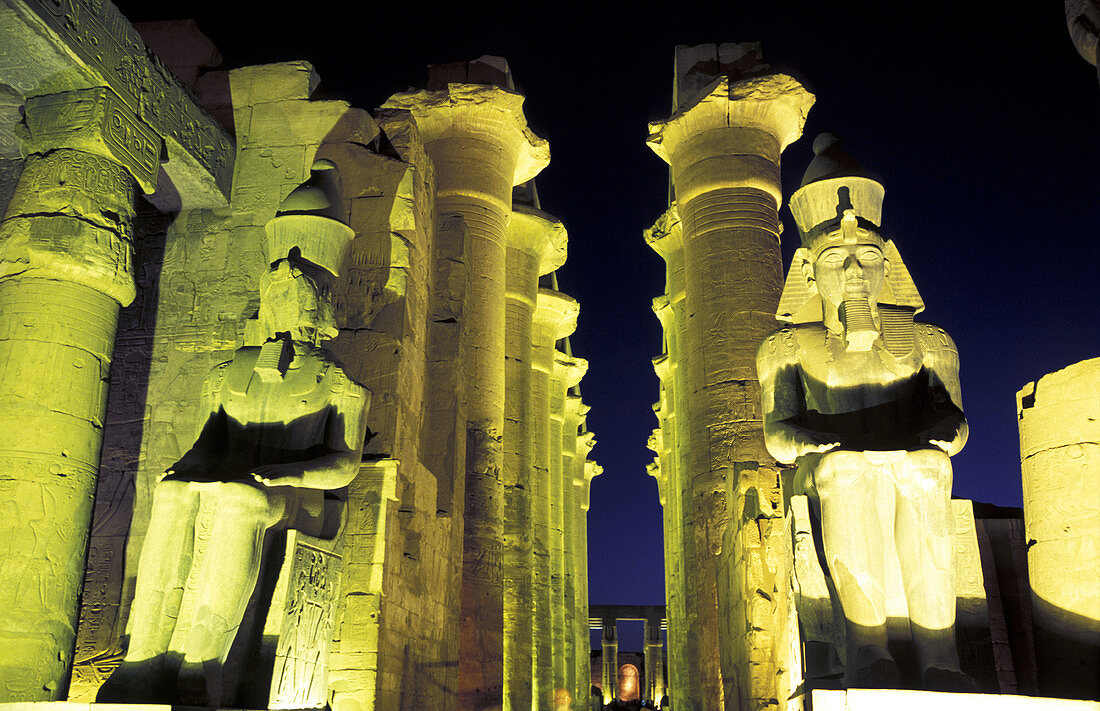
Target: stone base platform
x,y
905,700
91,706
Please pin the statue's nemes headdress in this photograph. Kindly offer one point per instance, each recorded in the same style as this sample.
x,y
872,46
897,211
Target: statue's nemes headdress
x,y
839,203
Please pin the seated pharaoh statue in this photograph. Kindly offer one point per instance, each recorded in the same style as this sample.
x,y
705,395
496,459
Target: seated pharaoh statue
x,y
866,403
280,424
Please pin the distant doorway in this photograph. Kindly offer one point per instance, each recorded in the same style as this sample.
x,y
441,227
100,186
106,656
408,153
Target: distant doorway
x,y
629,682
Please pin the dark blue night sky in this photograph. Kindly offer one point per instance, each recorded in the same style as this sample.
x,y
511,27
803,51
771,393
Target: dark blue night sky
x,y
983,124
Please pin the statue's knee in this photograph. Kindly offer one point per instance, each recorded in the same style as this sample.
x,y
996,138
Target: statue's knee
x,y
171,493
933,466
838,468
243,498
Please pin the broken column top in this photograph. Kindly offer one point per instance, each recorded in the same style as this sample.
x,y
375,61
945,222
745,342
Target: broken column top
x,y
486,69
697,66
475,98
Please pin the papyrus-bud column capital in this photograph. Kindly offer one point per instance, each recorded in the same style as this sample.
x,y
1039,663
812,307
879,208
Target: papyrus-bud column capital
x,y
733,136
480,146
536,246
66,266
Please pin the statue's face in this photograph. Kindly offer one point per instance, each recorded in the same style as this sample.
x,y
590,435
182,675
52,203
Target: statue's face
x,y
849,271
291,302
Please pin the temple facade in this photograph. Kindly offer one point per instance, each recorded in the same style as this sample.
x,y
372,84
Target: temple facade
x,y
290,416
138,182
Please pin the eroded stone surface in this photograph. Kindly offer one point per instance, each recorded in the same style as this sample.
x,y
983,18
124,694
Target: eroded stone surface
x,y
1060,455
723,276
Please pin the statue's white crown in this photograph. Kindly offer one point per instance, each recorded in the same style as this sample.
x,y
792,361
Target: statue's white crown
x,y
310,220
834,183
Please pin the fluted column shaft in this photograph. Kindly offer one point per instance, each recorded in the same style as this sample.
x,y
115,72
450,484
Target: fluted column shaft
x,y
666,238
536,246
570,443
65,270
555,318
582,646
724,154
480,147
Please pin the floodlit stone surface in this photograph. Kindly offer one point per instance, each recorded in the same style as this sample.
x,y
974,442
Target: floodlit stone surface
x,y
721,246
429,311
52,50
66,266
480,148
555,318
1060,453
867,404
278,424
536,246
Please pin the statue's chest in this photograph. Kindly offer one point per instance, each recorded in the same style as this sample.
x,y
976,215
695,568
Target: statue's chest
x,y
837,380
301,395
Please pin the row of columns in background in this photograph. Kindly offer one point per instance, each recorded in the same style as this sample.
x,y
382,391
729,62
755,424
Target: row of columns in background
x,y
523,601
606,619
726,551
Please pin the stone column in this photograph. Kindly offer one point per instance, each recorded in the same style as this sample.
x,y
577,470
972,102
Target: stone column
x,y
65,269
654,661
536,246
609,652
582,645
574,415
665,237
567,372
1060,455
555,318
477,138
724,153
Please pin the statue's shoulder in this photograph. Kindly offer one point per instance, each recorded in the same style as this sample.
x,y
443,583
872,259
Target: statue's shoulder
x,y
217,374
934,340
340,383
782,346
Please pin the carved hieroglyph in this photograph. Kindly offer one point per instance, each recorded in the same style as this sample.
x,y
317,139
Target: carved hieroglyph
x,y
723,146
65,269
57,47
866,403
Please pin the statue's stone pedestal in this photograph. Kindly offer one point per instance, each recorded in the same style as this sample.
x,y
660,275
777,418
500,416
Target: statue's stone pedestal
x,y
906,700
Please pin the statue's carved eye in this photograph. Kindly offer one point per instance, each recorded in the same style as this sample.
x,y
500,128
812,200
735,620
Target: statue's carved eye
x,y
870,256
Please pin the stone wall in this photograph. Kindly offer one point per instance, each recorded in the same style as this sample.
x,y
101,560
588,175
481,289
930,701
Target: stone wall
x,y
401,305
